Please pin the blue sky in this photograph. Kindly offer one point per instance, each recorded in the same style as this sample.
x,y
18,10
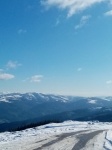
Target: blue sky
x,y
56,46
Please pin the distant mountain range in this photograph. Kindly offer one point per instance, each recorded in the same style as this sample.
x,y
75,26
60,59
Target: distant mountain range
x,y
18,108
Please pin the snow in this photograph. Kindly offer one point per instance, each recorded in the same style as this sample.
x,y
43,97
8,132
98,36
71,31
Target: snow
x,y
106,99
97,108
92,101
9,97
41,95
98,140
108,140
32,138
3,99
60,98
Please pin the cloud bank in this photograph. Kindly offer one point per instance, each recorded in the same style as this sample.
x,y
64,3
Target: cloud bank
x,y
6,76
72,6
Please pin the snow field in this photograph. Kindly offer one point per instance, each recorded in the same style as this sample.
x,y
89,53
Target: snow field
x,y
32,138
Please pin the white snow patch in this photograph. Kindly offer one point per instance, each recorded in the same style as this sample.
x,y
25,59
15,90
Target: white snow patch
x,y
3,99
92,101
108,140
17,96
97,108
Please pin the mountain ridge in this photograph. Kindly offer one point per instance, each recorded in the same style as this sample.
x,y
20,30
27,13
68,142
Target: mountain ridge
x,y
21,107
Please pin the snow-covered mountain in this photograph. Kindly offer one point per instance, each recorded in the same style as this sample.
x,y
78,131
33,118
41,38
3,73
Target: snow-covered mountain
x,y
17,108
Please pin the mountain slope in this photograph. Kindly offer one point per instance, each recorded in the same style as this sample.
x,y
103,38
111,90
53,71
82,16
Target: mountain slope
x,y
34,107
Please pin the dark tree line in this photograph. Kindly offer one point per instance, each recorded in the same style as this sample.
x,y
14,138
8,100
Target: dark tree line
x,y
33,125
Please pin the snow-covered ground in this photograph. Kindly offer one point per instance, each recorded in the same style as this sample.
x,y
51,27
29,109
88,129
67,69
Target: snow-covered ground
x,y
60,136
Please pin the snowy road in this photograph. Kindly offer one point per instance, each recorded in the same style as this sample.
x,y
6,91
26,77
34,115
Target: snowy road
x,y
70,135
59,138
83,138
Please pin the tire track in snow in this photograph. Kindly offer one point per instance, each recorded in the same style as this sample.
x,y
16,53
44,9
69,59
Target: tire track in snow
x,y
60,138
84,138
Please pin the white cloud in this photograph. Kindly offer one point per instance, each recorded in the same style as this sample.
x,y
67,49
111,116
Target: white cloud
x,y
36,78
109,82
6,76
108,13
22,31
72,6
12,65
79,69
83,21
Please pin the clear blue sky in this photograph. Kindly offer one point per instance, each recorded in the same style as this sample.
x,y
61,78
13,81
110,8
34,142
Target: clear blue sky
x,y
60,47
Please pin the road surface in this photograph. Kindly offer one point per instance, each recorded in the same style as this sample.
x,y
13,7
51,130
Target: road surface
x,y
70,141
